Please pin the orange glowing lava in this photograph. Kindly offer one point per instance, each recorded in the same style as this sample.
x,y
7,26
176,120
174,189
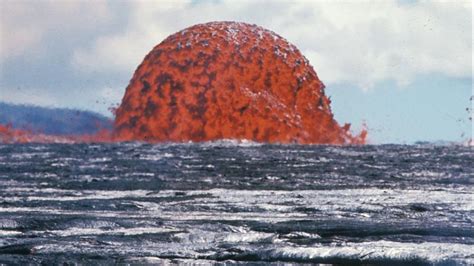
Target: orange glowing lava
x,y
219,80
227,80
9,135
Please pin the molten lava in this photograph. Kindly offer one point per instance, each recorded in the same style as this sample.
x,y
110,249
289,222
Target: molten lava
x,y
219,80
9,135
227,80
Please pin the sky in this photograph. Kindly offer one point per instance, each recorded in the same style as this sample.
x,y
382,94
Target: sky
x,y
402,68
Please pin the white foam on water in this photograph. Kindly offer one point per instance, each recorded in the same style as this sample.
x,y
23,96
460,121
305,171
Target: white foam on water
x,y
230,143
377,250
256,204
249,237
156,156
203,236
78,231
9,233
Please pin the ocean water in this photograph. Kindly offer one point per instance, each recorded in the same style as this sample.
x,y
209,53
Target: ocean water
x,y
232,202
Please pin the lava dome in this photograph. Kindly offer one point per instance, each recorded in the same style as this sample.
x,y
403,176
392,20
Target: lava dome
x,y
227,80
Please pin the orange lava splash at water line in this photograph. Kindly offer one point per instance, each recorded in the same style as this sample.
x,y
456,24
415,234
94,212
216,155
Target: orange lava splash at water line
x,y
9,135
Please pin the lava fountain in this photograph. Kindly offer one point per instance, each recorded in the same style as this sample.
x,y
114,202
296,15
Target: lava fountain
x,y
227,80
219,80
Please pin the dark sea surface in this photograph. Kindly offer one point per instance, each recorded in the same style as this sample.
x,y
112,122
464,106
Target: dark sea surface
x,y
236,202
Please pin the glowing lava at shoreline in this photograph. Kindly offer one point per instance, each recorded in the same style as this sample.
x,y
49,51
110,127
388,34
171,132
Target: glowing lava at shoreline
x,y
219,80
228,80
9,135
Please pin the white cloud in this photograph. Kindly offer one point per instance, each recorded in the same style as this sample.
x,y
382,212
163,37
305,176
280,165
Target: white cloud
x,y
149,23
33,96
24,24
360,42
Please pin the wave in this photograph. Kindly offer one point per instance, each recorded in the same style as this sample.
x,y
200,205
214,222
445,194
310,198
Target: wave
x,y
368,252
231,143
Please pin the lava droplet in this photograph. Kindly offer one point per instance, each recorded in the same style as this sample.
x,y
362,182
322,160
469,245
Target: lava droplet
x,y
227,80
